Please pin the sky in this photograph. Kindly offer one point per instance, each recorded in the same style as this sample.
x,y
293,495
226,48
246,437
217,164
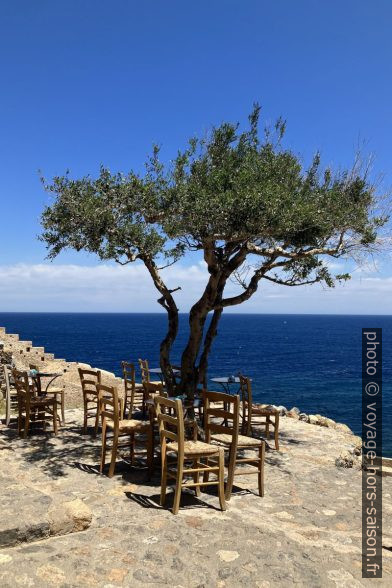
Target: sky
x,y
98,82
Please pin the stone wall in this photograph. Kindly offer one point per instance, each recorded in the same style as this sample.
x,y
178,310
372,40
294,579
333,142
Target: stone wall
x,y
24,353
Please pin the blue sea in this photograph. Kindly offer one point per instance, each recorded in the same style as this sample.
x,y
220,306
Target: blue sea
x,y
309,361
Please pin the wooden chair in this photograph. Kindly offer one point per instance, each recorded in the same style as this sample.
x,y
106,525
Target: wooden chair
x,y
133,392
150,387
266,417
89,380
31,406
224,430
58,393
130,428
10,395
173,444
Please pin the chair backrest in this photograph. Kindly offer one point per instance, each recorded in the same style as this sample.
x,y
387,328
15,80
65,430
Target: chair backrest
x,y
108,403
143,363
171,426
246,404
89,379
221,414
128,370
23,389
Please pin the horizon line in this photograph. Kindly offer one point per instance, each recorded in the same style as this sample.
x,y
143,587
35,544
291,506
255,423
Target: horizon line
x,y
162,313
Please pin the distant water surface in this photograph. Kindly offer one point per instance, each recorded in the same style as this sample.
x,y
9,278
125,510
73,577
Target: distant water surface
x,y
312,362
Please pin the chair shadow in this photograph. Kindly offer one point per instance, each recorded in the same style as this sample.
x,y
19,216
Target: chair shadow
x,y
189,501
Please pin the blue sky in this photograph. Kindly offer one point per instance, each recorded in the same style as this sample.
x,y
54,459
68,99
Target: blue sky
x,y
85,83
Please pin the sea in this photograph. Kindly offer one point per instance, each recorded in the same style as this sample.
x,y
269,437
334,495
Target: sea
x,y
312,362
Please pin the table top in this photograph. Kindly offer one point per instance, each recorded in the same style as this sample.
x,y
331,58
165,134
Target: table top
x,y
159,371
34,373
227,380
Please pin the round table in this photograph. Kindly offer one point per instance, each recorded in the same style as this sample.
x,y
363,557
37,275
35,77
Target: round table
x,y
159,373
226,382
38,375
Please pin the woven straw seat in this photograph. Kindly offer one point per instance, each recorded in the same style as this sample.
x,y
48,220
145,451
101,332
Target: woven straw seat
x,y
264,410
44,400
243,440
194,448
129,425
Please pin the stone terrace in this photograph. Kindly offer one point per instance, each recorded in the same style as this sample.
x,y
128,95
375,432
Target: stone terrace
x,y
63,524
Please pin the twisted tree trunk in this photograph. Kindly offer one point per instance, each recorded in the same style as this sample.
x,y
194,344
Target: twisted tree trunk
x,y
208,340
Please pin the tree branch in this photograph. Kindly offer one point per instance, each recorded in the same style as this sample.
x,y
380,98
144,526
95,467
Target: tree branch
x,y
291,283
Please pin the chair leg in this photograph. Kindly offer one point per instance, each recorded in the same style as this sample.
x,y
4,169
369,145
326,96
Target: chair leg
x,y
230,474
132,447
85,416
261,469
26,424
221,480
103,454
206,474
20,416
55,417
150,451
196,477
62,409
276,432
114,454
163,478
267,428
177,493
96,421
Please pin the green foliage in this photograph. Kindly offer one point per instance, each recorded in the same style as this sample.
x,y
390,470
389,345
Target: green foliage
x,y
223,192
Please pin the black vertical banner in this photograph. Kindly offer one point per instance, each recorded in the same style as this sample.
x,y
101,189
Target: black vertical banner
x,y
371,453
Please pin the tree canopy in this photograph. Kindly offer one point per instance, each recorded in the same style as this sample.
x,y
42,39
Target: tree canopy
x,y
240,198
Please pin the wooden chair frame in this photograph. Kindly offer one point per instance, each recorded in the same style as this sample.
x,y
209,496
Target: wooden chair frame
x,y
221,431
150,388
11,395
31,404
110,410
133,392
89,380
172,439
249,410
57,393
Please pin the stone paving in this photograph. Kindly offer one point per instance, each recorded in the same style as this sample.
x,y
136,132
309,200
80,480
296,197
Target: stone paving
x,y
64,525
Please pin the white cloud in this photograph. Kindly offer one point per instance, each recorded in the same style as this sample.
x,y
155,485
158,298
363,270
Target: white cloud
x,y
106,288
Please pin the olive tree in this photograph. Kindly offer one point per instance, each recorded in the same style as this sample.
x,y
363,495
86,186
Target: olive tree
x,y
247,204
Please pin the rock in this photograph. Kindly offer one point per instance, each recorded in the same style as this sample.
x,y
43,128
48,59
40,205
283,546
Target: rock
x,y
294,413
321,420
345,460
312,419
343,428
357,445
227,556
330,423
69,517
283,410
303,417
